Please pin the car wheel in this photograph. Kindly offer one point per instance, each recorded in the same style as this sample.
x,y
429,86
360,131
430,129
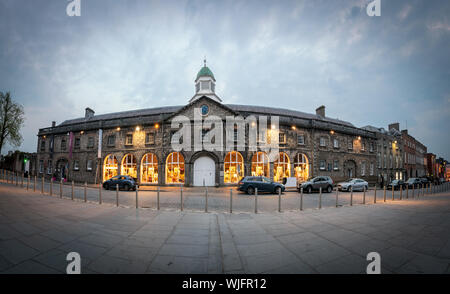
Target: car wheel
x,y
250,190
106,186
329,189
278,190
126,187
309,190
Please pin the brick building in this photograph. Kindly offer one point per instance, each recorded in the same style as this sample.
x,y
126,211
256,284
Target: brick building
x,y
415,159
140,143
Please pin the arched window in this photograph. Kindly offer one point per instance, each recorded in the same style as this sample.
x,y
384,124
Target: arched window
x,y
301,167
281,167
175,168
129,166
260,164
233,167
149,169
110,167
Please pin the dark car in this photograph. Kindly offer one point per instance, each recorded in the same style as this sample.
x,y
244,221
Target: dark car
x,y
314,184
414,183
125,183
396,184
425,181
263,184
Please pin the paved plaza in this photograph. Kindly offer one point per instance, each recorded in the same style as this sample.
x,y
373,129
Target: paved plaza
x,y
37,231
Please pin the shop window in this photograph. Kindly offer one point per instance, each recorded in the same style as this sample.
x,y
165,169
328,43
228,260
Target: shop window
x,y
129,166
110,167
281,167
260,164
149,169
301,167
175,168
233,167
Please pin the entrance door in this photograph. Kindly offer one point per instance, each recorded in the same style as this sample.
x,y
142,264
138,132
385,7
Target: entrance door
x,y
204,171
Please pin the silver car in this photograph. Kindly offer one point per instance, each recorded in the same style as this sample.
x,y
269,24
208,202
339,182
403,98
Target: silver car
x,y
324,182
356,184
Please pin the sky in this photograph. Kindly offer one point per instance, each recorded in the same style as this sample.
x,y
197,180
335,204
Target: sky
x,y
132,54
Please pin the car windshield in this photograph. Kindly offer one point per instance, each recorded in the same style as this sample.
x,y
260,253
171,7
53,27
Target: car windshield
x,y
395,181
350,180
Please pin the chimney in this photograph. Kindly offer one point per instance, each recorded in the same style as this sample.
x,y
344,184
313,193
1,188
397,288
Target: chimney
x,y
89,113
395,126
320,111
53,124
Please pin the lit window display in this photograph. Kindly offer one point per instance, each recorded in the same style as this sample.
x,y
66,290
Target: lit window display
x,y
110,167
149,169
301,168
260,164
129,166
175,168
233,167
281,168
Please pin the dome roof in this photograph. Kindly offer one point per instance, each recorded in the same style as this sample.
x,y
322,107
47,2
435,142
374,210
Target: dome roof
x,y
205,72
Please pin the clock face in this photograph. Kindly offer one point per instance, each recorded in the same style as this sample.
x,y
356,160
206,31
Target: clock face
x,y
205,109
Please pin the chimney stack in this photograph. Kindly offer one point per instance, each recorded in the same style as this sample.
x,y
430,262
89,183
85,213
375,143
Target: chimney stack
x,y
89,113
53,124
395,126
320,111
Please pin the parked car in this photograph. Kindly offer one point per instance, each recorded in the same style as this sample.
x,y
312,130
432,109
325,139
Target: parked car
x,y
397,184
314,184
425,180
263,184
441,181
125,182
414,183
356,184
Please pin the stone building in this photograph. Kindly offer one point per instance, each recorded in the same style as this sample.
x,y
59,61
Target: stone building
x,y
390,152
140,143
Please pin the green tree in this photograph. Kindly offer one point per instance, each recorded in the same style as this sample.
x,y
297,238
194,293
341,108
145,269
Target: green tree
x,y
11,121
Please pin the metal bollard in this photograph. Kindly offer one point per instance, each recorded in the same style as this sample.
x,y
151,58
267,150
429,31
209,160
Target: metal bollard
x,y
28,183
401,192
17,179
384,197
256,200
423,189
72,190
117,195
320,198
99,193
34,186
157,198
206,199
60,189
393,198
231,200
51,187
85,192
364,195
301,199
181,198
375,194
413,196
42,188
337,196
351,196
407,191
137,203
279,200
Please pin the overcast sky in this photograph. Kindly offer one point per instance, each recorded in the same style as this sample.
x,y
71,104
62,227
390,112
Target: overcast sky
x,y
123,55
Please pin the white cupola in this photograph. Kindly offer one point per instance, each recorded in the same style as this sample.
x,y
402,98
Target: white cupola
x,y
205,84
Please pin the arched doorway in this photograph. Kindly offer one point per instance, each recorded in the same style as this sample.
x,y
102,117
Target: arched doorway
x,y
260,164
204,171
350,169
149,169
129,166
61,169
301,168
175,168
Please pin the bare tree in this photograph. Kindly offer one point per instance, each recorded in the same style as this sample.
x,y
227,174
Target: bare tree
x,y
11,120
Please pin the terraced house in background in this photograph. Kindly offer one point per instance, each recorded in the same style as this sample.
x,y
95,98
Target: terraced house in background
x,y
138,143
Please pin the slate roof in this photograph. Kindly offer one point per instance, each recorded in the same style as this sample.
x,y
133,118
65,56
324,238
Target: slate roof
x,y
236,107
